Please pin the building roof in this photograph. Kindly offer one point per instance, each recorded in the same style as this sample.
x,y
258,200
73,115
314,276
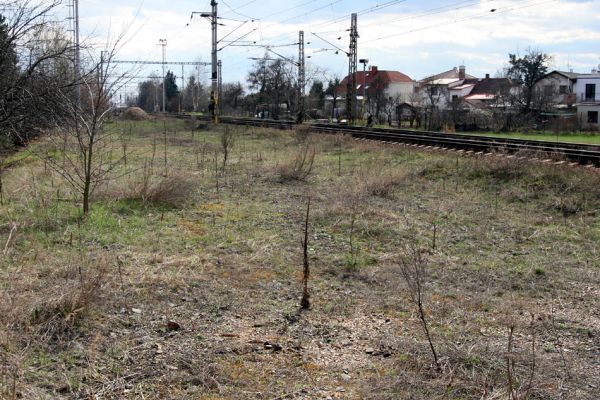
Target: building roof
x,y
569,75
452,75
492,86
368,77
485,96
487,89
462,86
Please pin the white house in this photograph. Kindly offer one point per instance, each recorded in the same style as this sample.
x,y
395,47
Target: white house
x,y
587,90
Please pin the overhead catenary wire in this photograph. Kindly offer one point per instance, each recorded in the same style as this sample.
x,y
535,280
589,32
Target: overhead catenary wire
x,y
488,13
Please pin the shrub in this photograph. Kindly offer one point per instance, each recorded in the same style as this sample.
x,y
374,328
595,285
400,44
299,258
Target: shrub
x,y
300,166
302,133
173,190
383,185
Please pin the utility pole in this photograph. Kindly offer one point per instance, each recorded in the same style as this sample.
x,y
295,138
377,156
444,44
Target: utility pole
x,y
77,56
352,65
301,78
163,44
219,85
214,95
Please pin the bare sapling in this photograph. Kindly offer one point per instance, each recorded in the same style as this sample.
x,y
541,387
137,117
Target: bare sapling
x,y
165,146
216,172
559,343
514,390
86,145
11,239
227,142
1,188
305,302
413,268
338,144
352,261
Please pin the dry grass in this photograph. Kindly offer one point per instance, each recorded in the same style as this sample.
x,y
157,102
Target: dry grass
x,y
200,301
384,183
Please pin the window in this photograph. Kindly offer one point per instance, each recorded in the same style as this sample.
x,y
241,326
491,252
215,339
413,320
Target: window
x,y
562,89
454,98
592,117
590,91
548,90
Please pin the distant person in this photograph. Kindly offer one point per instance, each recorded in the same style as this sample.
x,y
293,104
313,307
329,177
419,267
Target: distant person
x,y
370,121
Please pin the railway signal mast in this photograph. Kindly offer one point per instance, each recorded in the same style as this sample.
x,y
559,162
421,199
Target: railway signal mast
x,y
212,16
214,95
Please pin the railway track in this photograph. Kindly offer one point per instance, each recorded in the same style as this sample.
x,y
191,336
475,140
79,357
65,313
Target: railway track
x,y
558,151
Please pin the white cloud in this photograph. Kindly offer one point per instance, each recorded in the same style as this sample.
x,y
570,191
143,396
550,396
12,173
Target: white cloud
x,y
433,43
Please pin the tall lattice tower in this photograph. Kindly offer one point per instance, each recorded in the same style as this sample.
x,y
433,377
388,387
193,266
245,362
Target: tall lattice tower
x,y
73,18
352,66
301,78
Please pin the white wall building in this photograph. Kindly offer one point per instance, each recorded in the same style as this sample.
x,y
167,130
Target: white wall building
x,y
587,90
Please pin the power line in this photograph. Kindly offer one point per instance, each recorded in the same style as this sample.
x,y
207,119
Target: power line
x,y
493,11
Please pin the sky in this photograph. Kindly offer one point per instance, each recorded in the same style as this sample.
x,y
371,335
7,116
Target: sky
x,y
417,38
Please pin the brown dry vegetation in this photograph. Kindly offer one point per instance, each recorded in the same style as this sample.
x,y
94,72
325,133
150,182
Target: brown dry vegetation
x,y
184,282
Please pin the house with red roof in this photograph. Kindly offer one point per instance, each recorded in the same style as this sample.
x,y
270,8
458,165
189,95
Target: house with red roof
x,y
393,83
377,89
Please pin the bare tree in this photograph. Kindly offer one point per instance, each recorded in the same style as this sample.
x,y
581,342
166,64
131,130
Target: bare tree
x,y
413,268
35,67
86,145
333,90
227,143
416,102
377,97
434,95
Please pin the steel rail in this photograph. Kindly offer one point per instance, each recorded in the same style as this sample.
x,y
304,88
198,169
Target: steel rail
x,y
559,151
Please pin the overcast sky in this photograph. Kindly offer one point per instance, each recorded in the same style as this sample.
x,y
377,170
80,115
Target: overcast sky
x,y
418,38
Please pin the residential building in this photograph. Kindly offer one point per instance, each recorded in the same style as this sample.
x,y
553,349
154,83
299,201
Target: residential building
x,y
393,83
489,92
556,90
377,90
438,91
587,91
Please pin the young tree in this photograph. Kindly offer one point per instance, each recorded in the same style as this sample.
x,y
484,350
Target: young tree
x,y
274,81
231,97
195,95
316,95
377,97
171,92
333,91
147,98
434,95
80,135
527,70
